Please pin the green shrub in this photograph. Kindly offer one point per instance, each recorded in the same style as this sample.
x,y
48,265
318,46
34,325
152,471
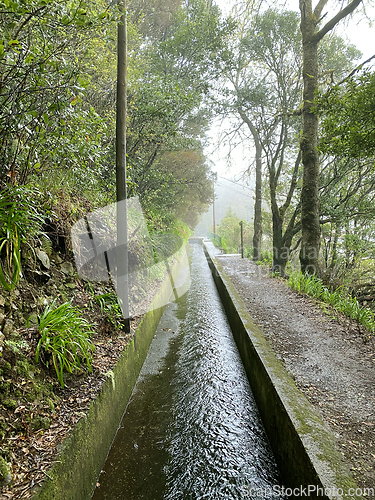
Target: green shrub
x,y
66,336
267,258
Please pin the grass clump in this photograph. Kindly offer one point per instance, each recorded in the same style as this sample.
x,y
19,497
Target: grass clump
x,y
19,221
65,337
111,308
314,287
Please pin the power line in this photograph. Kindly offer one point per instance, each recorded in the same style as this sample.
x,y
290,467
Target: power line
x,y
236,183
234,189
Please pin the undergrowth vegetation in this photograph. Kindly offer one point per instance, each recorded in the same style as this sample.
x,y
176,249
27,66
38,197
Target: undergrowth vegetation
x,y
110,307
20,221
65,339
314,287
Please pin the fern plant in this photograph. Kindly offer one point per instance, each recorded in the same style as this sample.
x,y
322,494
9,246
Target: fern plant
x,y
46,244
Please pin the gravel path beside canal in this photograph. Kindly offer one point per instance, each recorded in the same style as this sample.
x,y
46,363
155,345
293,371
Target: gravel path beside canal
x,y
331,360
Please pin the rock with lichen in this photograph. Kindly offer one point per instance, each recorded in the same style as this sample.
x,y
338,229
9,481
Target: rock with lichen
x,y
8,327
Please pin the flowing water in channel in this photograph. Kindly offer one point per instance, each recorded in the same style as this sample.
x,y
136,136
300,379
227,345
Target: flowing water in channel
x,y
191,429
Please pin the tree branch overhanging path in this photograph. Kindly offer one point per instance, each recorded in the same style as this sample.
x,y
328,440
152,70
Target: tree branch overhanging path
x,y
311,36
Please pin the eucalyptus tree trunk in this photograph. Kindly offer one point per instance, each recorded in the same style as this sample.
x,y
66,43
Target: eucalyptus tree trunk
x,y
310,159
310,189
282,238
257,238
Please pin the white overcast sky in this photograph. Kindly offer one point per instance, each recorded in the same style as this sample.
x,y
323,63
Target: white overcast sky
x,y
357,30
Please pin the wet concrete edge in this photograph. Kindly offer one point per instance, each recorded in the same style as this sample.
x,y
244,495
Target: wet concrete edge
x,y
82,455
303,446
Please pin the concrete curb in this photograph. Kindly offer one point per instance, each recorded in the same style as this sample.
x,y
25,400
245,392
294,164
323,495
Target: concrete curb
x,y
83,453
303,446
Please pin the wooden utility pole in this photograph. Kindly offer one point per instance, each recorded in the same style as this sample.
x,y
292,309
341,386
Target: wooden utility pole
x,y
121,194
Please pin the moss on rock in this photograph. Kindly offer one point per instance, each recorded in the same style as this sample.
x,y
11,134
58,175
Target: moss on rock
x,y
40,422
5,472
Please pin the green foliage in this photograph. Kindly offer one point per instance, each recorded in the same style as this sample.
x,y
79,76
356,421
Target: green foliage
x,y
57,103
230,232
168,116
347,186
20,220
314,287
195,40
348,115
110,307
43,122
153,16
46,245
17,346
5,471
176,187
66,336
266,257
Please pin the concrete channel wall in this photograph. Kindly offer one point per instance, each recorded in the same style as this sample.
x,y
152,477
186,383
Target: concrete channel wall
x,y
83,453
303,446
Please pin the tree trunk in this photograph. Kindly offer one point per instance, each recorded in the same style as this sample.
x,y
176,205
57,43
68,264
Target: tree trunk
x,y
280,254
310,195
281,242
257,238
334,246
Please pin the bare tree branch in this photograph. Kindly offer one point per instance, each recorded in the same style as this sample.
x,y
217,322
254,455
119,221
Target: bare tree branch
x,y
336,19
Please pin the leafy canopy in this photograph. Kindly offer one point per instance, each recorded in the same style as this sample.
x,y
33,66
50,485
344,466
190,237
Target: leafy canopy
x,y
348,118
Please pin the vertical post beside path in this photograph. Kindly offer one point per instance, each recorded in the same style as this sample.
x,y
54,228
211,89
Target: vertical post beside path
x,y
241,225
121,194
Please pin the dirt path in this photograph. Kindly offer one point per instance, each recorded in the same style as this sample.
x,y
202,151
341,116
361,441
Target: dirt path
x,y
331,360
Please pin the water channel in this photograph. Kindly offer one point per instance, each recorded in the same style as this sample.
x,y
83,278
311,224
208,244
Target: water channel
x,y
191,429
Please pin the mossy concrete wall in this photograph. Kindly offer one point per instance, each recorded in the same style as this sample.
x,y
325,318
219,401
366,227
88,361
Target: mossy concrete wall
x,y
303,446
83,453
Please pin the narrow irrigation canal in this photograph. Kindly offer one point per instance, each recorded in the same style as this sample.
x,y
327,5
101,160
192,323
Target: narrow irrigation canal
x,y
191,429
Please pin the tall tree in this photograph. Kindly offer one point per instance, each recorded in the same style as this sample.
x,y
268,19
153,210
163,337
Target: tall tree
x,y
167,112
264,73
45,125
311,37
